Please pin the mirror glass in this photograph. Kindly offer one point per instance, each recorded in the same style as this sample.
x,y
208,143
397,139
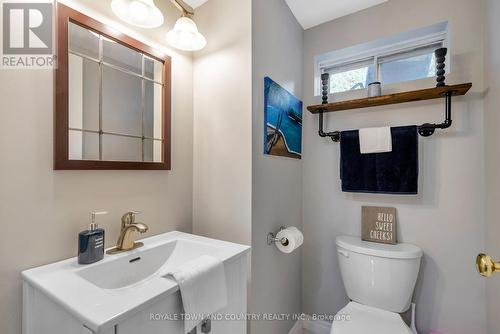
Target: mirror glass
x,y
115,100
153,69
121,102
83,41
116,54
83,145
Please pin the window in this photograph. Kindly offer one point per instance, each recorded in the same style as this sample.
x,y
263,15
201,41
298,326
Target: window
x,y
356,75
410,65
406,57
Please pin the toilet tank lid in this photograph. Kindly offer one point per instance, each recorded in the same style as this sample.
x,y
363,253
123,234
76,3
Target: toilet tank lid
x,y
398,251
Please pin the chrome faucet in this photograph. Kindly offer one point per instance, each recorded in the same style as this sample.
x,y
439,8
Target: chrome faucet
x,y
126,240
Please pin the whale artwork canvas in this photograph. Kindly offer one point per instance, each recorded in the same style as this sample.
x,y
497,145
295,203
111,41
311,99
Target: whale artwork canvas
x,y
282,121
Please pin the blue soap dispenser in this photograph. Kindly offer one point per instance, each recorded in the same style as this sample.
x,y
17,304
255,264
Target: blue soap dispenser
x,y
91,242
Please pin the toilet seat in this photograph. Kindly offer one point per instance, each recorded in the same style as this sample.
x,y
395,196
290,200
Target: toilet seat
x,y
355,318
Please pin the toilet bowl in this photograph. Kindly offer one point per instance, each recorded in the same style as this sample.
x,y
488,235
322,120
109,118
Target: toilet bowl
x,y
379,280
361,319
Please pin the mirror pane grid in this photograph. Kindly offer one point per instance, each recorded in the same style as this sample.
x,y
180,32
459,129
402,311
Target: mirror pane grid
x,y
153,69
83,145
121,56
83,41
142,105
153,150
121,102
100,95
115,100
83,94
153,112
121,148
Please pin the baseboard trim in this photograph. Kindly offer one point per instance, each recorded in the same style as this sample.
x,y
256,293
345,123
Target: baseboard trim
x,y
297,328
312,326
317,326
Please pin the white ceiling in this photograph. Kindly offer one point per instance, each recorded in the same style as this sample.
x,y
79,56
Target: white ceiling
x,y
311,13
195,3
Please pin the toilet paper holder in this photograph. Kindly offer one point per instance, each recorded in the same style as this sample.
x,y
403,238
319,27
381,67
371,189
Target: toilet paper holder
x,y
271,238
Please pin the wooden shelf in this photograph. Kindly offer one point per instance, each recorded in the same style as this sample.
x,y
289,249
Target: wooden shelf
x,y
417,95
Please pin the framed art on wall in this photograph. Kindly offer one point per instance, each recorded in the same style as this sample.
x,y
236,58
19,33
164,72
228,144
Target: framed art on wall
x,y
282,121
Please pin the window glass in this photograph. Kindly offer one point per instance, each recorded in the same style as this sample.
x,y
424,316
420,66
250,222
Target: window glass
x,y
407,66
351,76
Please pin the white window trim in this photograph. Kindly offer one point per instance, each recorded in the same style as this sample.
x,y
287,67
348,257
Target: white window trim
x,y
331,59
351,63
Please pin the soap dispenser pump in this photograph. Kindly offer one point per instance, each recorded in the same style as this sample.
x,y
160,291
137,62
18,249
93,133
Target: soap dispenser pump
x,y
91,242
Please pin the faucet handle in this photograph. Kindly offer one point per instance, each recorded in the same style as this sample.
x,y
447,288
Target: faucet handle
x,y
129,217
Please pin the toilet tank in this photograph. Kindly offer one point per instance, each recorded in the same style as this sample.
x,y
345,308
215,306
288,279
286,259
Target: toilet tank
x,y
379,275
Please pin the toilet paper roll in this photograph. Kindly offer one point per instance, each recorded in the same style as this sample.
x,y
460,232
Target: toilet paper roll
x,y
294,239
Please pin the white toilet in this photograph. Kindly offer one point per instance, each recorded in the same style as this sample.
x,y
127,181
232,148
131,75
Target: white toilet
x,y
379,279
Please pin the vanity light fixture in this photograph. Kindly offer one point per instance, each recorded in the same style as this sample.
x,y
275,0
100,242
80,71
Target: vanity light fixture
x,y
185,35
140,13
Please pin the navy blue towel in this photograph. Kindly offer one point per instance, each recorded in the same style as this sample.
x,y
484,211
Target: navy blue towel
x,y
393,172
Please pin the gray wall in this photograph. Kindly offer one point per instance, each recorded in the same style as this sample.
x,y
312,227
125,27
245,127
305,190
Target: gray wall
x,y
222,122
277,188
492,147
43,210
447,218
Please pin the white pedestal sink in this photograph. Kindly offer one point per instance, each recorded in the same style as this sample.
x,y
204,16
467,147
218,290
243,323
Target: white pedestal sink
x,y
130,293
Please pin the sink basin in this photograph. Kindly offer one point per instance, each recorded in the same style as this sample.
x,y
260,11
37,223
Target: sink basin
x,y
105,293
141,265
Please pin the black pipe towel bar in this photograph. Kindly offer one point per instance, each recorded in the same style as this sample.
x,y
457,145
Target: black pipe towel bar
x,y
425,130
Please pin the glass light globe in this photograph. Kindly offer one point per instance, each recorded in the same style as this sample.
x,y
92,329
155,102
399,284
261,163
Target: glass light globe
x,y
185,36
140,13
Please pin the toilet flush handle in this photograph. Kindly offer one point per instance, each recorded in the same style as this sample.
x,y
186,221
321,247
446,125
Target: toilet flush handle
x,y
343,252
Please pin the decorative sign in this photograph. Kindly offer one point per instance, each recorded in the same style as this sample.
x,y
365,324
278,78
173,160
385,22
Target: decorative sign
x,y
378,224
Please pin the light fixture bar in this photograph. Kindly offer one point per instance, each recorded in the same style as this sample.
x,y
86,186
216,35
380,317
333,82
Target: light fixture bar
x,y
183,7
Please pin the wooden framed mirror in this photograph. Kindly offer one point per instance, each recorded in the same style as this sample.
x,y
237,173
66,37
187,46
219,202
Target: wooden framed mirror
x,y
112,98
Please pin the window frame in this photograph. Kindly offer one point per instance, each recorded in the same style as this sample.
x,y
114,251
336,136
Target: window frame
x,y
379,49
65,15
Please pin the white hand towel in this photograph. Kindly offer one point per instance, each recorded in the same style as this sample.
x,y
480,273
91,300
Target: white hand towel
x,y
375,140
203,289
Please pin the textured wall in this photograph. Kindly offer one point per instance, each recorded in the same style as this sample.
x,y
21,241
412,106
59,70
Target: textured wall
x,y
492,147
447,218
43,210
222,118
277,187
